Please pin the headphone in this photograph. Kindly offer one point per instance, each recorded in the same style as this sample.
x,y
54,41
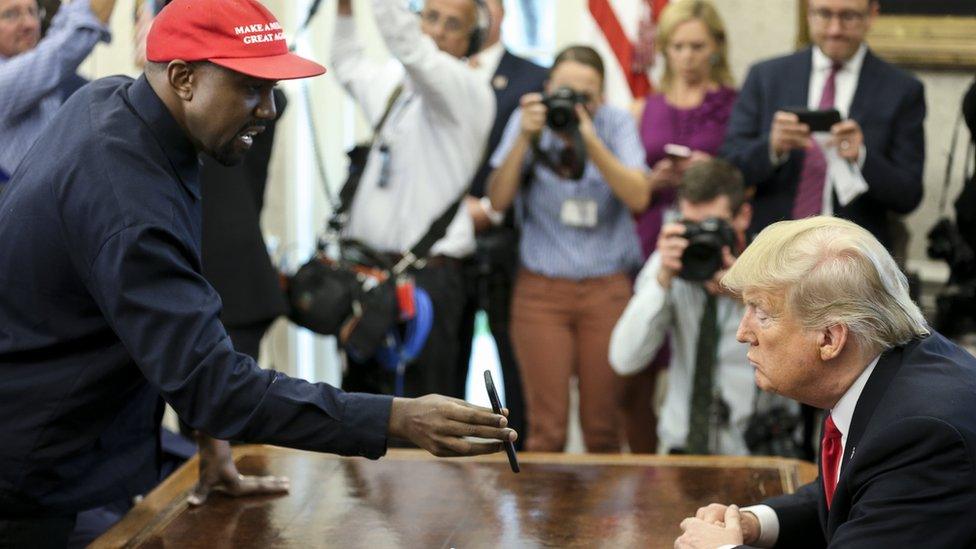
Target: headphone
x,y
479,34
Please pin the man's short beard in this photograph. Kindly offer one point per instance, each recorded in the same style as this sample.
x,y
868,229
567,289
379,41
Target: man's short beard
x,y
226,155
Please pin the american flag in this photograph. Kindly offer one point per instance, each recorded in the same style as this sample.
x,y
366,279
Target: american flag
x,y
623,32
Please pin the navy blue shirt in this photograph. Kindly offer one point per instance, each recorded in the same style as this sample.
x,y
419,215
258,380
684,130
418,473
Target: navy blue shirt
x,y
103,310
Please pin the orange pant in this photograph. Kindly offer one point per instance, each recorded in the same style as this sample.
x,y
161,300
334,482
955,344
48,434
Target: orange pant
x,y
561,328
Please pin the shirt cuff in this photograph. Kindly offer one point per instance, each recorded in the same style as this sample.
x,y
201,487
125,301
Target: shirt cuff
x,y
862,155
366,420
496,217
768,524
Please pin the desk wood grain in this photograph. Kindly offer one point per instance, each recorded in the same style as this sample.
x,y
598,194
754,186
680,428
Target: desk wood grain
x,y
409,499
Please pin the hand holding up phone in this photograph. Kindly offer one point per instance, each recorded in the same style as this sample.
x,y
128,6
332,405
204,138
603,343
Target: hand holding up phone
x,y
439,424
496,406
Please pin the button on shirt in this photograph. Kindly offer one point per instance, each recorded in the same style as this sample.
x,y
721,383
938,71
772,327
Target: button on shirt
x,y
654,312
30,83
435,135
551,248
104,310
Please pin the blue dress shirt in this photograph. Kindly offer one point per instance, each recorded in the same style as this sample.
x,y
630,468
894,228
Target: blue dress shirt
x,y
104,310
32,83
550,248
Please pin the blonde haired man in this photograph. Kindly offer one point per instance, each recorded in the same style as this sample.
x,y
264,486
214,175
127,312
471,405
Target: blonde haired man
x,y
829,322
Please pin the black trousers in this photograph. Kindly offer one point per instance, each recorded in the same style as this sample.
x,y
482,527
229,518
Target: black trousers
x,y
488,283
434,369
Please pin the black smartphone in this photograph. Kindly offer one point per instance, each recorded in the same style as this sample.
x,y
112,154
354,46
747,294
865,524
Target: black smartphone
x,y
819,120
496,406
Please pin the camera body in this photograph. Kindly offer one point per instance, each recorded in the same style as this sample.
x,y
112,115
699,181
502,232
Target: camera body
x,y
561,109
703,256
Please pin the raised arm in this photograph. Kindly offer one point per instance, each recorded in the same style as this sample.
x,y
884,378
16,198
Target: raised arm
x,y
449,86
27,78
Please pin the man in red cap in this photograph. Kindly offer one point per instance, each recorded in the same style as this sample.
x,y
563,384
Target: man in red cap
x,y
104,308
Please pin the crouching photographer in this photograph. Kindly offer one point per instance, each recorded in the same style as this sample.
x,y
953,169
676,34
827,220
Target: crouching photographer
x,y
574,168
711,405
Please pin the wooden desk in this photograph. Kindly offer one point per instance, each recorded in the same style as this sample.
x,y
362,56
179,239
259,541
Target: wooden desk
x,y
409,499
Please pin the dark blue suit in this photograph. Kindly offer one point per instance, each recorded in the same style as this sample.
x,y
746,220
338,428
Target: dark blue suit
x,y
908,476
889,105
489,274
513,78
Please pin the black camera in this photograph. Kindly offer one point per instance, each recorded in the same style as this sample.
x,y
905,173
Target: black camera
x,y
703,256
561,109
773,433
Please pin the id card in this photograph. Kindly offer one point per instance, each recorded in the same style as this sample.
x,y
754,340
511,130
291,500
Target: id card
x,y
579,212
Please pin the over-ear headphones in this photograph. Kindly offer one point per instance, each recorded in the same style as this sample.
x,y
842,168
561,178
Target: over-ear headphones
x,y
480,32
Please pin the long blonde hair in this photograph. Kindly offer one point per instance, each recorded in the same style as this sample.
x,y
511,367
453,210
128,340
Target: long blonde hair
x,y
682,11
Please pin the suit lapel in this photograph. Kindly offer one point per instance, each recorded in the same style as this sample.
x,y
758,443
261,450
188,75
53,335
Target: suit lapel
x,y
874,390
867,82
797,81
877,385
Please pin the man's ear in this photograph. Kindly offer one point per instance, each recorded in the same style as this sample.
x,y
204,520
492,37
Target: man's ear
x,y
831,341
180,76
743,218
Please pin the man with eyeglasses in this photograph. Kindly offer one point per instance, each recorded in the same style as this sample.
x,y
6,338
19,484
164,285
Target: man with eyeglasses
x,y
421,162
35,73
881,133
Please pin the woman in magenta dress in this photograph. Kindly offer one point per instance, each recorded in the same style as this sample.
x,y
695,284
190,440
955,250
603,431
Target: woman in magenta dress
x,y
691,107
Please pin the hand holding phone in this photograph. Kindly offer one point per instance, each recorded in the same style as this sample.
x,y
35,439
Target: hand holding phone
x,y
677,152
819,120
496,407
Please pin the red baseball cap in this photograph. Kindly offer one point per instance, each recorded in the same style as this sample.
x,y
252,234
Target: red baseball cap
x,y
241,35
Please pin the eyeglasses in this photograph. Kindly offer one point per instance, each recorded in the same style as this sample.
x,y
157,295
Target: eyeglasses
x,y
451,24
847,18
13,15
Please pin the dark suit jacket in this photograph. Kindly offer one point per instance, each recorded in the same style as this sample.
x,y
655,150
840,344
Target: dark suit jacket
x,y
908,476
234,255
889,105
513,78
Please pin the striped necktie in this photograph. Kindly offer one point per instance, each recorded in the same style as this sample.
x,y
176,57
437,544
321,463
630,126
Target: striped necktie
x,y
810,188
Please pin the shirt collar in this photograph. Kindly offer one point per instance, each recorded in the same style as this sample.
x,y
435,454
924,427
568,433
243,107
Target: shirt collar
x,y
490,57
172,139
822,63
843,411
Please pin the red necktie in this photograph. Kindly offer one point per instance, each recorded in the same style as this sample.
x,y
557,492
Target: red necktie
x,y
831,450
809,189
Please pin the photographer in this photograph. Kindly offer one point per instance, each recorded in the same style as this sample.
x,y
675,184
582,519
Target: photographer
x,y
37,75
428,149
710,395
585,181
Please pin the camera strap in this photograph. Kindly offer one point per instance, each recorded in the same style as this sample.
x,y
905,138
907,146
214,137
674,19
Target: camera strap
x,y
349,188
949,164
556,165
340,215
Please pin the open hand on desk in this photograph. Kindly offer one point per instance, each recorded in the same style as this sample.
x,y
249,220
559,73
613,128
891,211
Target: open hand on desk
x,y
219,474
717,525
439,424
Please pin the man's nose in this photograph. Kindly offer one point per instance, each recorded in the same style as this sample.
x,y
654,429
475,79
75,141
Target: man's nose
x,y
266,108
742,333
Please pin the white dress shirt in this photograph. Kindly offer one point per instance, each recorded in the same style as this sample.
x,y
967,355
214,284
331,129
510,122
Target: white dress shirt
x,y
435,134
842,414
845,85
652,313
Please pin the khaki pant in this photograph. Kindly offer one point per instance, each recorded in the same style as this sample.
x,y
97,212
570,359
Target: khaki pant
x,y
561,328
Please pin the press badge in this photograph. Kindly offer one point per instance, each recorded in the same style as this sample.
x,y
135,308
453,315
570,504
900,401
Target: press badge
x,y
579,212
